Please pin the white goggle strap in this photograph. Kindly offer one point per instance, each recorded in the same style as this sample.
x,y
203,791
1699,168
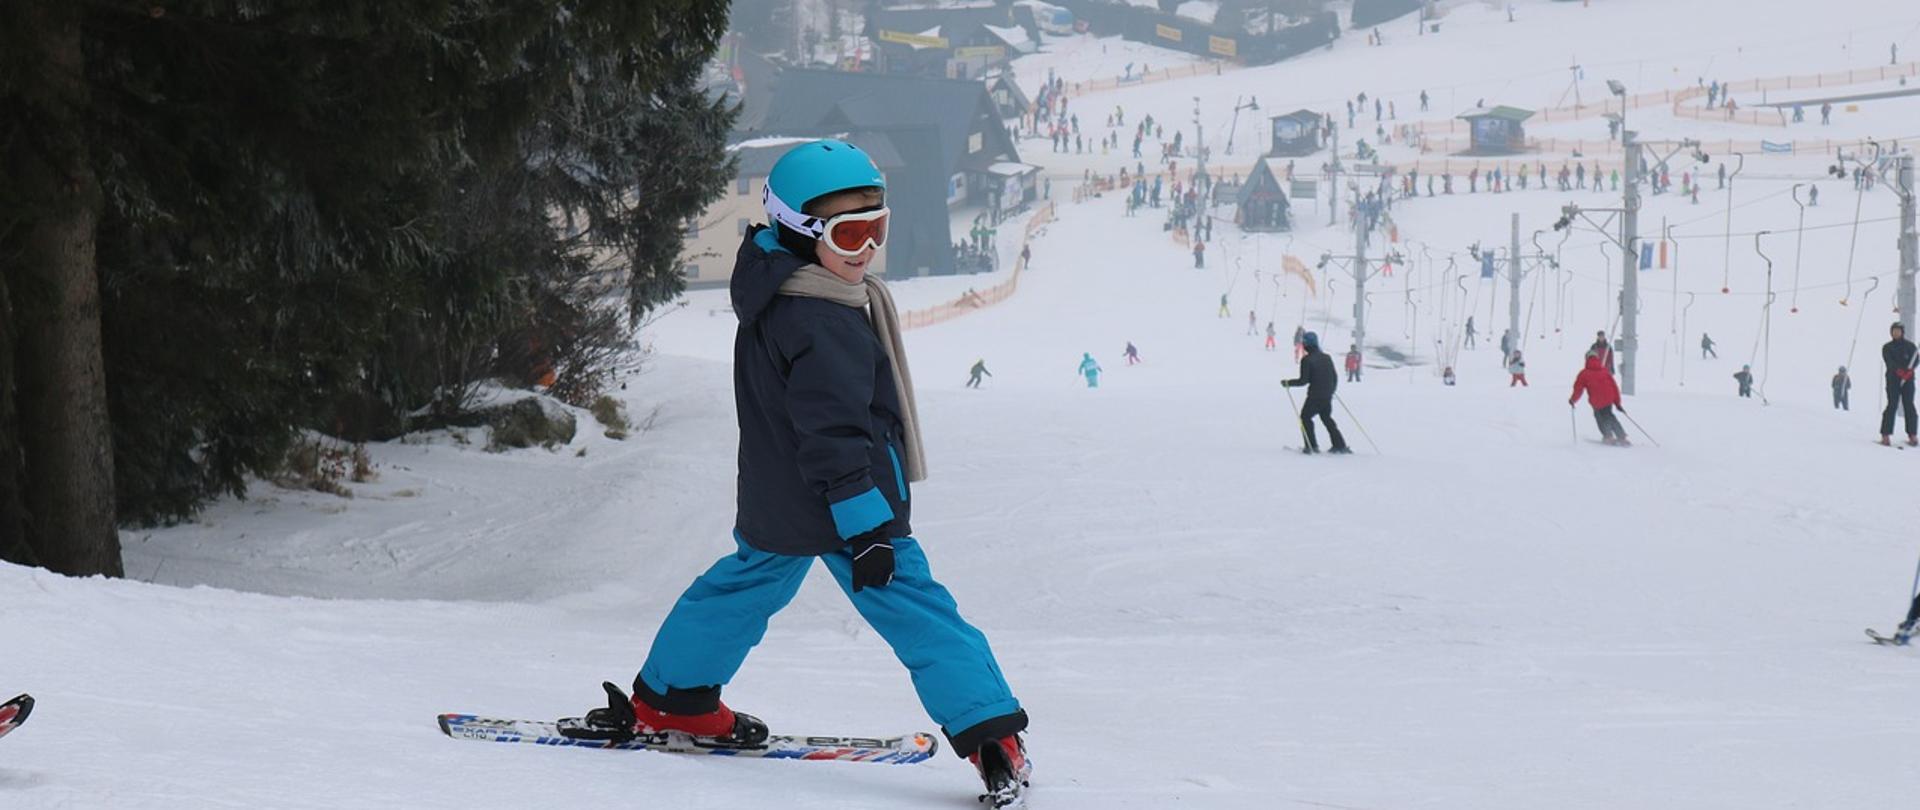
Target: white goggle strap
x,y
779,211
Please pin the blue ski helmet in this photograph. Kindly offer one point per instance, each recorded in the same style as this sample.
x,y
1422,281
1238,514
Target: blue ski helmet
x,y
1310,340
808,172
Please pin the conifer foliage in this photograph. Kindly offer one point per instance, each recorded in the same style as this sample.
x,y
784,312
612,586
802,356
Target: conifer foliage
x,y
224,221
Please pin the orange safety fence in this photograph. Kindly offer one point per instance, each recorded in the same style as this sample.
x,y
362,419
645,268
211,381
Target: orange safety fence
x,y
1674,98
976,300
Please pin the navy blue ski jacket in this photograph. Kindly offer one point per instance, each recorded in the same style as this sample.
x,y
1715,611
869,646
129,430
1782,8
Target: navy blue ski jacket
x,y
819,414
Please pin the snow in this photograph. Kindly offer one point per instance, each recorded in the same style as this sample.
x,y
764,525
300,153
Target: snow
x,y
1487,613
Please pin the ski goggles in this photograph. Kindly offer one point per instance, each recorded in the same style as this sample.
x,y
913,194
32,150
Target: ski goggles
x,y
846,234
850,233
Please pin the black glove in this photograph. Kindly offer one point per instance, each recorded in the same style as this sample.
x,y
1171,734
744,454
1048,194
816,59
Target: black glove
x,y
872,559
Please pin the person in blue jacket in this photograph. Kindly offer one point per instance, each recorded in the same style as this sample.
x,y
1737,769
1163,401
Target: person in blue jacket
x,y
1090,369
829,440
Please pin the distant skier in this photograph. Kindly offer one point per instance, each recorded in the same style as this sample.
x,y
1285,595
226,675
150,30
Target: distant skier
x,y
1224,311
1317,374
979,369
1745,377
1270,335
1604,395
1706,347
1842,386
1898,354
1090,369
1353,363
1199,254
1517,367
1603,350
1506,346
1133,354
1252,326
1026,256
1470,331
1447,377
1299,340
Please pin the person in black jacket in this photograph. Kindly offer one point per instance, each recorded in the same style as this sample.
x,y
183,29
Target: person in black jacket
x,y
1317,374
1898,354
828,443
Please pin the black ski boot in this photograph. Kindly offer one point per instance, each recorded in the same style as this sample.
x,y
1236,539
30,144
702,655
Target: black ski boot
x,y
1005,771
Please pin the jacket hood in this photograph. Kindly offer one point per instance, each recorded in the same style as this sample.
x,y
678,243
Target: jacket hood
x,y
1593,362
758,271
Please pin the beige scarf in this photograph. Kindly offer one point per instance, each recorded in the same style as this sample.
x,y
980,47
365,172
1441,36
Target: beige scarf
x,y
814,281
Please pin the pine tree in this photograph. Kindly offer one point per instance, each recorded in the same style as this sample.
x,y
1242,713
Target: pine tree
x,y
307,216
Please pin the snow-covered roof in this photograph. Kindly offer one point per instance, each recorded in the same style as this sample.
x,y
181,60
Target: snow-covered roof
x,y
1005,169
1015,37
771,142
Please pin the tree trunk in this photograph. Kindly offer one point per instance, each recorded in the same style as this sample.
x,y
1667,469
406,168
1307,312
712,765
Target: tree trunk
x,y
65,433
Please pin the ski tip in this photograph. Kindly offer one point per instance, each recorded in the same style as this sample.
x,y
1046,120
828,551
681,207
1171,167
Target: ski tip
x,y
14,712
925,743
446,723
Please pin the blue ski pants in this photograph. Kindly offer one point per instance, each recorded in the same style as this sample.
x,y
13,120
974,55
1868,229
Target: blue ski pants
x,y
724,613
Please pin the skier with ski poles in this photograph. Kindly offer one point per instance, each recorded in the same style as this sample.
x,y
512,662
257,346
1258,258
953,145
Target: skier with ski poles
x,y
1317,374
829,439
1899,355
1604,395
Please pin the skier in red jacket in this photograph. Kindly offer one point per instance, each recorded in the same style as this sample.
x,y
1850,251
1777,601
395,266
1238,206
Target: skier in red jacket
x,y
1604,395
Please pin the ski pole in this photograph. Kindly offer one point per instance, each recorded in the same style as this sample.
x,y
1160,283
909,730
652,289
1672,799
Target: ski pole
x,y
1298,420
1356,423
1573,424
1636,426
1916,582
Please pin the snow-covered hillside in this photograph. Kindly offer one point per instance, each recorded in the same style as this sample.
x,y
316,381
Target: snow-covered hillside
x,y
1491,611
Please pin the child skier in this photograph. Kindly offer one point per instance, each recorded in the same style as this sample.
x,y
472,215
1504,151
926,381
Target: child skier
x,y
1133,354
979,369
1090,370
1518,368
1317,374
1447,378
1353,363
1842,385
1745,377
829,438
1604,395
1706,347
1270,335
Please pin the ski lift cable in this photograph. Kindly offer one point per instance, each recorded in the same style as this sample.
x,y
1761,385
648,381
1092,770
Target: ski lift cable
x,y
1860,320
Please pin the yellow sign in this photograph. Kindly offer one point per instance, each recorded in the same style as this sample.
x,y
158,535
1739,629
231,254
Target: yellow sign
x,y
917,40
981,52
1223,46
1167,32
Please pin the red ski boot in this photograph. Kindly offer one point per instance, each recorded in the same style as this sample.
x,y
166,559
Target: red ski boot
x,y
624,718
1004,768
